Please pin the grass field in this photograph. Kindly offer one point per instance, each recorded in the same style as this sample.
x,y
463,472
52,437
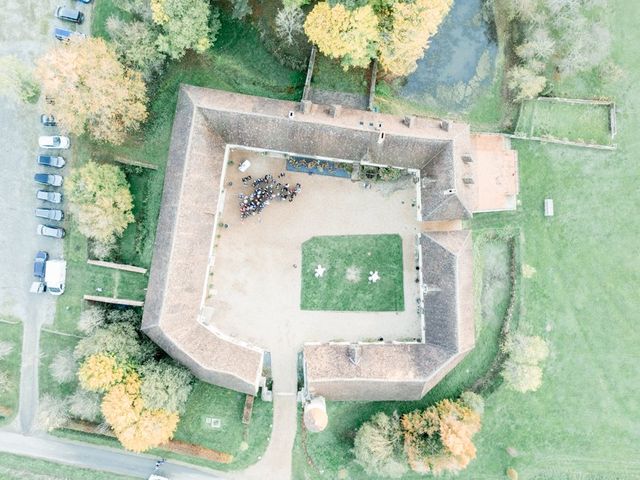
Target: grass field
x,y
331,450
349,260
574,122
329,75
15,467
10,365
578,293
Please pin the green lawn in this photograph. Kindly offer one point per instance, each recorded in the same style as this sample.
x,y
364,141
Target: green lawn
x,y
565,121
10,365
348,261
330,450
16,467
210,401
329,75
50,345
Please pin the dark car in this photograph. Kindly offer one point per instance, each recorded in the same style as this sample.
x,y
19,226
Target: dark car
x,y
48,120
69,15
48,179
51,161
64,34
49,196
50,231
50,213
39,264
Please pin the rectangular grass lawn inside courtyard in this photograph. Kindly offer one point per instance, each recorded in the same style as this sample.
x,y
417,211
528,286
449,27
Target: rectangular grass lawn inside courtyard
x,y
348,261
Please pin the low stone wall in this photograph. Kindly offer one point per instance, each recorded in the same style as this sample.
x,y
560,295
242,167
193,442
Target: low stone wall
x,y
114,301
117,266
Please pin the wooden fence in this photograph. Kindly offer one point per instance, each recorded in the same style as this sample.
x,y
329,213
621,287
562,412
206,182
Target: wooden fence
x,y
117,266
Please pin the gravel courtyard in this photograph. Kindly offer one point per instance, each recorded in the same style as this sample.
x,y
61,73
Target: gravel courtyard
x,y
255,285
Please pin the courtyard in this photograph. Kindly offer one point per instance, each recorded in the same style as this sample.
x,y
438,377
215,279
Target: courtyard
x,y
258,260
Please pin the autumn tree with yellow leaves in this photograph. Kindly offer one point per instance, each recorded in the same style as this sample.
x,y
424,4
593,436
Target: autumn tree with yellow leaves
x,y
349,35
100,372
439,438
91,91
397,33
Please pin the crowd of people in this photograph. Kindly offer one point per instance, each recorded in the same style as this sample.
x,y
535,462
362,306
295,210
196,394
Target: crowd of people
x,y
265,189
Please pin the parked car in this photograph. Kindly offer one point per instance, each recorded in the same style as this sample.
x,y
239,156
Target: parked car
x,y
50,213
84,1
64,34
51,161
54,141
69,15
50,231
39,264
48,120
48,179
48,196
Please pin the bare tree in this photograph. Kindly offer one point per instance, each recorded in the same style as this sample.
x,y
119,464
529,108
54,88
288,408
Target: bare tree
x,y
63,367
53,412
90,319
289,23
85,405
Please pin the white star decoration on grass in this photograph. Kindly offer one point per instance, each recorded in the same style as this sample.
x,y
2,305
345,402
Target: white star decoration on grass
x,y
374,277
319,272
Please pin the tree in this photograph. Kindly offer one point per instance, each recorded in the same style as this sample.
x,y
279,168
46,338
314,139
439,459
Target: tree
x,y
63,368
90,319
165,386
349,35
526,349
99,372
538,44
138,428
100,200
52,413
241,8
118,340
184,25
91,90
378,446
289,23
521,371
17,81
589,46
407,38
474,401
85,405
136,45
6,348
525,83
137,8
439,438
522,377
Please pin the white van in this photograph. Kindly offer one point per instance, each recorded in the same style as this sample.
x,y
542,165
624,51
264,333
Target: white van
x,y
55,275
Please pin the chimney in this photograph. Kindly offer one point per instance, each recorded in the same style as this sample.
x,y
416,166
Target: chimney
x,y
467,180
445,125
335,110
409,120
306,105
467,158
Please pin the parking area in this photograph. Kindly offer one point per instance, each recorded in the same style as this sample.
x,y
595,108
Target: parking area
x,y
26,31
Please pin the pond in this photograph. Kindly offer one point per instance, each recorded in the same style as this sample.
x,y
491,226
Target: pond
x,y
460,61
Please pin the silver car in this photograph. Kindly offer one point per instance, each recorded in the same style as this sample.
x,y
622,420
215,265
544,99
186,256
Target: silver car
x,y
50,231
50,213
48,196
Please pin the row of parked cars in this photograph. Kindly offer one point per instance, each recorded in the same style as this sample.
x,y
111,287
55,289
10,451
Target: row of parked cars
x,y
50,142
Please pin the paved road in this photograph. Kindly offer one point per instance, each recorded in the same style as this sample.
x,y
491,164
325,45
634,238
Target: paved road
x,y
100,458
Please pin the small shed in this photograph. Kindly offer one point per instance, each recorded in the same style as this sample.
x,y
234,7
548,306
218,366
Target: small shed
x,y
548,207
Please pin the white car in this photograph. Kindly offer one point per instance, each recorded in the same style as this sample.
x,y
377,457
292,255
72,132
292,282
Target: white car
x,y
54,141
